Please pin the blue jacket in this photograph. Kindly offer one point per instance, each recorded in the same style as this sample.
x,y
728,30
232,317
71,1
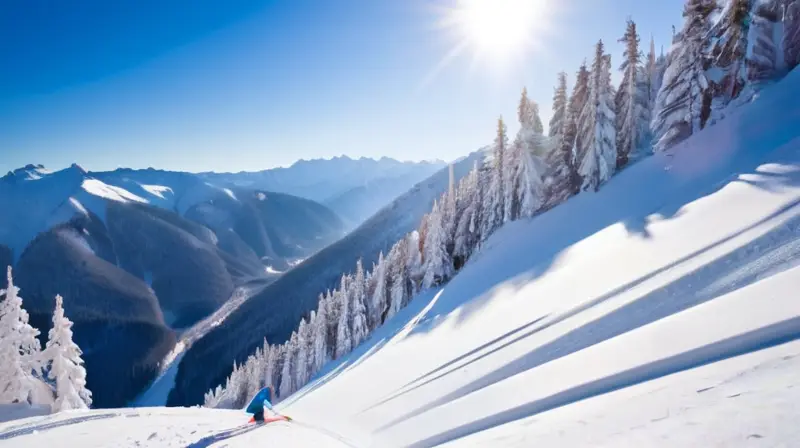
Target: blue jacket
x,y
260,401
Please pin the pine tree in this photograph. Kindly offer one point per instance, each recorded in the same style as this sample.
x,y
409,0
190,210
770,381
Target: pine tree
x,y
379,301
730,48
438,266
301,374
399,279
268,366
288,385
494,207
765,58
20,351
67,369
529,171
596,126
414,268
557,126
358,308
467,230
565,180
631,100
344,341
681,106
319,339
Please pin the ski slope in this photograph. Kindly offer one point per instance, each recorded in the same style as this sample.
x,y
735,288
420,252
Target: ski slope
x,y
661,311
598,322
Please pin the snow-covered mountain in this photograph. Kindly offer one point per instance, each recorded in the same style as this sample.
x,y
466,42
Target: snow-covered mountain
x,y
660,311
275,311
353,188
138,254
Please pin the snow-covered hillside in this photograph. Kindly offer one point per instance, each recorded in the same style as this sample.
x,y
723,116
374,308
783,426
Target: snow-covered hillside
x,y
660,311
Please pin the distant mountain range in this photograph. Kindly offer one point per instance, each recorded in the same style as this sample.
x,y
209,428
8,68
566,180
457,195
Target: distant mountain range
x,y
354,188
140,255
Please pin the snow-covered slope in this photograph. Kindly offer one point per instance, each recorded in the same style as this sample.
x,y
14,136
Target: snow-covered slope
x,y
660,311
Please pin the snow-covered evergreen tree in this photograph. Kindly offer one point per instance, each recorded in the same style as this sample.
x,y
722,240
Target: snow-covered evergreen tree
x,y
379,301
494,205
268,366
765,56
729,51
66,364
557,125
438,265
288,384
319,349
301,374
564,180
631,100
359,328
414,268
468,227
680,107
20,351
398,277
344,339
598,154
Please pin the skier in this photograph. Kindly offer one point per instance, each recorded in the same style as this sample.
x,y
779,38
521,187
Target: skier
x,y
261,408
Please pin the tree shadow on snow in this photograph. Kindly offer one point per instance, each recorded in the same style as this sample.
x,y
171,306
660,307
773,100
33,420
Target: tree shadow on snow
x,y
755,340
771,253
658,188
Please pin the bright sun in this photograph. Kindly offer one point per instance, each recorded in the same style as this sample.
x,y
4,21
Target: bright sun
x,y
497,28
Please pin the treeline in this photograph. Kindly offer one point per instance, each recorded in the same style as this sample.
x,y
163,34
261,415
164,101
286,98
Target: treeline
x,y
720,57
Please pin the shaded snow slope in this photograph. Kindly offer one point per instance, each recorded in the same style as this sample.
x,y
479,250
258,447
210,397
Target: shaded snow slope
x,y
660,311
276,311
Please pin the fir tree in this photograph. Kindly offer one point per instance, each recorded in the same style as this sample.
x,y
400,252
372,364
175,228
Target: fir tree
x,y
288,385
765,60
596,126
399,279
379,301
301,374
565,180
730,48
681,109
359,311
494,207
438,265
631,100
556,128
20,351
414,268
344,341
66,368
319,351
467,229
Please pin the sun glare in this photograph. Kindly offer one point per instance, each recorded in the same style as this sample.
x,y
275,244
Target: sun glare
x,y
498,28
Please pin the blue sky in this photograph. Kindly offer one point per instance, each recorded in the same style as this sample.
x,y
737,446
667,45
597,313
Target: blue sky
x,y
233,85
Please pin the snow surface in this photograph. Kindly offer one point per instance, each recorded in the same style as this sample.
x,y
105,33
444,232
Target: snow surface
x,y
660,311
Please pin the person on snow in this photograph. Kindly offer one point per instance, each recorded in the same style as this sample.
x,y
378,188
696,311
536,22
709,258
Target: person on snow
x,y
261,407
